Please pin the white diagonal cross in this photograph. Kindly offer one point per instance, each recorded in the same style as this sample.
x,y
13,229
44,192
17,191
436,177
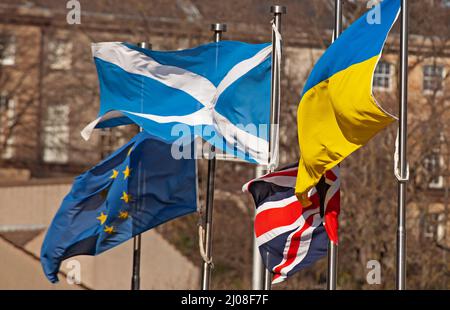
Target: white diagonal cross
x,y
195,85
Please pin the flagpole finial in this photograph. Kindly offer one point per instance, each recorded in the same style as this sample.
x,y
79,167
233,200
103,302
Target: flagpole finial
x,y
278,9
146,45
219,27
218,30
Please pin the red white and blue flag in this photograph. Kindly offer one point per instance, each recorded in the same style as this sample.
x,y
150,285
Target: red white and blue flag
x,y
294,236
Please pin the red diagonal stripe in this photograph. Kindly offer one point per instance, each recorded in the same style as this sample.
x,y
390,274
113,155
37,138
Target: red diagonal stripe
x,y
284,216
295,245
330,175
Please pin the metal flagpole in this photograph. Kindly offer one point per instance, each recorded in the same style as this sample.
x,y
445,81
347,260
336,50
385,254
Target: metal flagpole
x,y
135,278
277,11
333,248
403,169
258,266
207,264
267,274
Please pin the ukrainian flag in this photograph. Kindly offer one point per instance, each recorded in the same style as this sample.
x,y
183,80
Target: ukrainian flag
x,y
338,113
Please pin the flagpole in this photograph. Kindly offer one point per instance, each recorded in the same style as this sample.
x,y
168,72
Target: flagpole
x,y
277,11
332,247
135,279
218,30
258,275
136,273
267,274
403,179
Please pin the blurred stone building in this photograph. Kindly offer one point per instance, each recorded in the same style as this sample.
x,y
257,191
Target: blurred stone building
x,y
49,92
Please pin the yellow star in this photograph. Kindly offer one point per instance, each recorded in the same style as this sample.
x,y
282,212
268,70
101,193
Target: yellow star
x,y
109,229
123,215
125,197
126,173
114,175
102,218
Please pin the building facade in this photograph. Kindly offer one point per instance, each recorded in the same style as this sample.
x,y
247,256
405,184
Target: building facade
x,y
49,88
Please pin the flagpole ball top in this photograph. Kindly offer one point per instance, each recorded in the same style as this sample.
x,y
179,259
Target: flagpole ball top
x,y
278,9
219,27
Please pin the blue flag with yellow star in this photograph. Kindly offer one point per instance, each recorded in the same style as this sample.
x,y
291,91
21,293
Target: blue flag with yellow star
x,y
135,189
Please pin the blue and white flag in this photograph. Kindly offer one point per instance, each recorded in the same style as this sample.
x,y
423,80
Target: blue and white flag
x,y
217,91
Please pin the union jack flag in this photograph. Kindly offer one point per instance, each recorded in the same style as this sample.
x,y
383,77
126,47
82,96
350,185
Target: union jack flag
x,y
294,236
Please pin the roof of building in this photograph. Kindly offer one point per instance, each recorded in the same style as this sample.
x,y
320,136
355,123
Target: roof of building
x,y
247,20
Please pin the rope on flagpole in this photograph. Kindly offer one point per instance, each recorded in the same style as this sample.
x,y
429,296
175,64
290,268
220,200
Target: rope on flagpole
x,y
278,39
201,245
273,162
396,162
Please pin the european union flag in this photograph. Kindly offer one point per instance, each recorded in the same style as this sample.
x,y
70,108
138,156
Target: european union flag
x,y
135,189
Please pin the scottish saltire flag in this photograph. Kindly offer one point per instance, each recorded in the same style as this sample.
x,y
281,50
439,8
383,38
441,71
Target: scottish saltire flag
x,y
338,113
217,91
294,236
136,188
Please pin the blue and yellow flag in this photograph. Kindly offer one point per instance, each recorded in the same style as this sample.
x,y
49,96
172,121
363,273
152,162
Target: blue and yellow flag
x,y
136,188
338,113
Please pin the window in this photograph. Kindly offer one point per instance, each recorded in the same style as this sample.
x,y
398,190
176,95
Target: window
x,y
433,78
7,110
56,134
110,140
383,75
60,54
433,164
7,50
435,226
